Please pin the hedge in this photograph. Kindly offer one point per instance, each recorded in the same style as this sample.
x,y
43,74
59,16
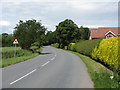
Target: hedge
x,y
71,46
55,45
86,47
107,52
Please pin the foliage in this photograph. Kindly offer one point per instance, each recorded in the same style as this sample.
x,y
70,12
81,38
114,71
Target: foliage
x,y
7,39
35,47
86,46
71,46
85,33
41,40
28,32
50,38
107,52
9,52
66,32
55,45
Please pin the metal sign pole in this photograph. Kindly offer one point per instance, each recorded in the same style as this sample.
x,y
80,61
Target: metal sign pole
x,y
15,51
15,42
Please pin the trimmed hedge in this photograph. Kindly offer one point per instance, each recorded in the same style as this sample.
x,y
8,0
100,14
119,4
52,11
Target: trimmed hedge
x,y
107,52
86,47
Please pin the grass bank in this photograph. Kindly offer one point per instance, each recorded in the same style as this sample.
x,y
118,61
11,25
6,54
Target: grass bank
x,y
100,75
9,57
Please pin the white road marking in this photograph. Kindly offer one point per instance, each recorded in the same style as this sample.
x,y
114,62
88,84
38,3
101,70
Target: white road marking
x,y
23,77
54,57
31,72
46,63
55,54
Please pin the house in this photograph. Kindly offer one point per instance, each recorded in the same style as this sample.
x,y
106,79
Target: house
x,y
104,32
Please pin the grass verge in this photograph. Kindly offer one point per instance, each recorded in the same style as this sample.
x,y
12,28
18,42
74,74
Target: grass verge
x,y
14,60
100,75
8,57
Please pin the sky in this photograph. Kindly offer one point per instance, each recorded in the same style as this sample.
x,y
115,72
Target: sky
x,y
88,13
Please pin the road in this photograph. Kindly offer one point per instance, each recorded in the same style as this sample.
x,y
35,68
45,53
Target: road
x,y
54,68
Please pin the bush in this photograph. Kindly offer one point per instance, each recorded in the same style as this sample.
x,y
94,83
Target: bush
x,y
86,47
71,46
107,52
55,45
9,52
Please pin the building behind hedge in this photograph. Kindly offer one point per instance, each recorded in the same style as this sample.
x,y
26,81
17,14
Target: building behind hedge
x,y
104,32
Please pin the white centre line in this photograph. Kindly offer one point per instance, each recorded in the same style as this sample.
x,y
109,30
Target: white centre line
x,y
30,72
54,57
23,77
46,63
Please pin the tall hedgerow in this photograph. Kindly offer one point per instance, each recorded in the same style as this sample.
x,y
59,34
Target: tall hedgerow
x,y
107,52
86,46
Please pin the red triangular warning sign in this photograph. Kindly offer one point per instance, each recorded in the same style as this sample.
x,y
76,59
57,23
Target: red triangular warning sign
x,y
16,42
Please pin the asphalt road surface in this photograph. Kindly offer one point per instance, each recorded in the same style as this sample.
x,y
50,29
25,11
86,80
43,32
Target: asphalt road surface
x,y
54,68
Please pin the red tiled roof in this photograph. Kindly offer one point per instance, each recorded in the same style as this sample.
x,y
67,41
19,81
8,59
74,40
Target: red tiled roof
x,y
100,32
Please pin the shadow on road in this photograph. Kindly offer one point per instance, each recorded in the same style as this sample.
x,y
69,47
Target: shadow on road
x,y
45,53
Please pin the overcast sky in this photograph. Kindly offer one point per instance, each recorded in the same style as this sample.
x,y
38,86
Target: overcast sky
x,y
89,13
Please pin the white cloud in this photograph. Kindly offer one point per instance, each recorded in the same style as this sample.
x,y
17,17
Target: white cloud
x,y
4,23
90,14
83,5
20,1
92,26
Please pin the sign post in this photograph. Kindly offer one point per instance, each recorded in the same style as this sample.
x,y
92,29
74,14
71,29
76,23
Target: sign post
x,y
15,42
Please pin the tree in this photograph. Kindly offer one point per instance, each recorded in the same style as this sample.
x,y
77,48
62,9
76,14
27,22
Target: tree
x,y
85,33
7,40
50,37
28,32
67,31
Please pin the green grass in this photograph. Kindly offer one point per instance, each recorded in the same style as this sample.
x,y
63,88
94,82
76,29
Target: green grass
x,y
14,60
100,75
4,49
8,57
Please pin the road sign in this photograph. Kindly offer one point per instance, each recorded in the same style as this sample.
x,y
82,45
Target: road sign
x,y
16,42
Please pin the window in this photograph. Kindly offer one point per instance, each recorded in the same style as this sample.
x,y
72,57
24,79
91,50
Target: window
x,y
109,36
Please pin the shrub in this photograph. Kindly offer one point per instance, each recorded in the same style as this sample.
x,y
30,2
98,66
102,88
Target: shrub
x,y
71,46
34,49
9,52
107,52
55,45
86,47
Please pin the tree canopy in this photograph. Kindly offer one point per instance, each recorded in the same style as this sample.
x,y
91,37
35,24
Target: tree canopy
x,y
7,39
85,33
32,32
29,32
67,31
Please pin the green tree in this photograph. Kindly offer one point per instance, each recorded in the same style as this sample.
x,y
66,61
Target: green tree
x,y
7,40
50,37
85,33
28,32
67,31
